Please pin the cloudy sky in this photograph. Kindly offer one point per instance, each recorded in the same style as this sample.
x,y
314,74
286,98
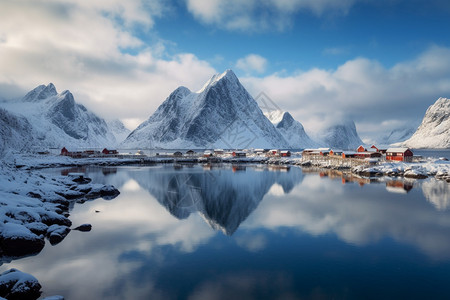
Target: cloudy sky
x,y
380,63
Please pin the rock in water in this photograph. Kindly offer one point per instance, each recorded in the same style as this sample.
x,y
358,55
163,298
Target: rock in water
x,y
15,284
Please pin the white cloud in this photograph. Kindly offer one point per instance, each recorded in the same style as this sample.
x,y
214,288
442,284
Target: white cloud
x,y
85,46
361,89
252,63
252,15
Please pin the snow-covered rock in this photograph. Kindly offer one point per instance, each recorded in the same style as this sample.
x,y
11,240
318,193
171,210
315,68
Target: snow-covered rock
x,y
48,119
341,136
220,115
434,132
15,284
292,130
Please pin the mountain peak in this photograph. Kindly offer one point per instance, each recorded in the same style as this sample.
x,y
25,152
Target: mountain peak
x,y
41,92
228,75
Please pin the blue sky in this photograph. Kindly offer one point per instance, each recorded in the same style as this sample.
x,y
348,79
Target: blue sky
x,y
380,63
388,33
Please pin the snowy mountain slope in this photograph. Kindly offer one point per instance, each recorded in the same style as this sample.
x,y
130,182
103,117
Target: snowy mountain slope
x,y
434,131
395,136
58,121
341,136
292,130
16,133
221,114
119,130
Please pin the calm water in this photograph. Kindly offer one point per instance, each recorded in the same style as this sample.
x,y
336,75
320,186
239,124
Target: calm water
x,y
235,232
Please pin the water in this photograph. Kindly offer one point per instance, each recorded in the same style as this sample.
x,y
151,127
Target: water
x,y
235,232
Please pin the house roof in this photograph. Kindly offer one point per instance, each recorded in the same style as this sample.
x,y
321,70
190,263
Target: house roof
x,y
402,150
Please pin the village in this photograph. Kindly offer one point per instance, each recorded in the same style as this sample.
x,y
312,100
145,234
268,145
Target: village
x,y
361,155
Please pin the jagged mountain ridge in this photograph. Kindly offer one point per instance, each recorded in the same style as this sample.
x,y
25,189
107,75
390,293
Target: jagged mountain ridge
x,y
57,120
221,114
434,131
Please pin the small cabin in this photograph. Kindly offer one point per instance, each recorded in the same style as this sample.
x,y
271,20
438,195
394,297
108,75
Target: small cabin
x,y
286,153
177,154
190,152
274,152
109,152
219,151
361,149
399,154
375,148
207,153
64,151
239,154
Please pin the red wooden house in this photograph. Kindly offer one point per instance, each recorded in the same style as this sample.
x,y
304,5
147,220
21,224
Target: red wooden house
x,y
64,151
399,154
286,153
109,152
361,149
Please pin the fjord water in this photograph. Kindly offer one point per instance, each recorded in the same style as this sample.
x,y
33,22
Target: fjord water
x,y
251,232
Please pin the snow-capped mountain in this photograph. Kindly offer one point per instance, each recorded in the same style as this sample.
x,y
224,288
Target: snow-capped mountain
x,y
58,121
221,114
341,136
119,130
292,130
434,131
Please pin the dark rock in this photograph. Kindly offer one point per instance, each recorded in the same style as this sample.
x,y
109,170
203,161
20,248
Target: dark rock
x,y
16,241
56,233
82,180
34,195
84,227
51,218
70,194
37,227
109,192
15,284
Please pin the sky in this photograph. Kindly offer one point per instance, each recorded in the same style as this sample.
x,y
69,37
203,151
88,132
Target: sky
x,y
381,63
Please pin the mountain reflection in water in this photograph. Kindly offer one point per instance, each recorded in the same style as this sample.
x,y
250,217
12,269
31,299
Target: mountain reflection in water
x,y
225,199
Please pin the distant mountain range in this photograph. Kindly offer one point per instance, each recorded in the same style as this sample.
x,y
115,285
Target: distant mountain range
x,y
220,115
223,115
44,119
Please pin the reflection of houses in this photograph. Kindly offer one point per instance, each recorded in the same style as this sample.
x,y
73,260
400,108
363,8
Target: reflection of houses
x,y
399,154
398,186
237,168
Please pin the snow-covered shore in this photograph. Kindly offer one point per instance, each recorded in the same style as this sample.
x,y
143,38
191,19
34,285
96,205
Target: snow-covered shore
x,y
35,206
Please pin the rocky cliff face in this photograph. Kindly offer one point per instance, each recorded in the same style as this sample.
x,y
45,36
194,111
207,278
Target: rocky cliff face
x,y
434,131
